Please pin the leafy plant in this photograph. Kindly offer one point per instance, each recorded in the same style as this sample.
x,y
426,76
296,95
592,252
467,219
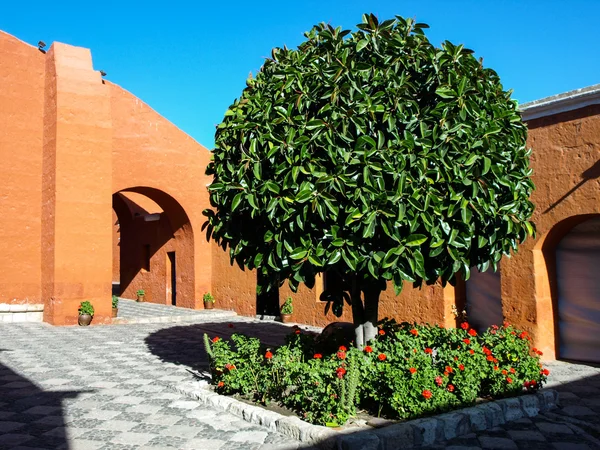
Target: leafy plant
x,y
409,370
373,155
141,292
208,298
86,308
287,307
115,301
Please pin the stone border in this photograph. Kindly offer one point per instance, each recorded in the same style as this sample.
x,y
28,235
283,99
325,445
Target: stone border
x,y
410,434
21,312
173,319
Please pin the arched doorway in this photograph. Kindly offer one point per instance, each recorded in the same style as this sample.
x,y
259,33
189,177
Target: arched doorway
x,y
578,292
154,247
484,300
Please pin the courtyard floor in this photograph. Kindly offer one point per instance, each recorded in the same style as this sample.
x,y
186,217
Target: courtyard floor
x,y
110,387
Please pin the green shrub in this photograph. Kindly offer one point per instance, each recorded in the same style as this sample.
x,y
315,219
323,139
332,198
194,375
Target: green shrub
x,y
115,301
407,371
208,298
86,308
287,307
141,292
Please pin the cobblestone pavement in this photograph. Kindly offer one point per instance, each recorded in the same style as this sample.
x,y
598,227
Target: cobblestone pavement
x,y
131,311
108,387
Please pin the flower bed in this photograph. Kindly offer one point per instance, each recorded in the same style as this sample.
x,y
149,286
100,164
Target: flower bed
x,y
408,371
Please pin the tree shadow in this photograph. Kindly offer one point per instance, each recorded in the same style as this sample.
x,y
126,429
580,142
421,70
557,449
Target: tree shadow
x,y
29,416
591,173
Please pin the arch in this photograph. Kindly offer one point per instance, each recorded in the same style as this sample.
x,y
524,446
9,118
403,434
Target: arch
x,y
546,286
156,247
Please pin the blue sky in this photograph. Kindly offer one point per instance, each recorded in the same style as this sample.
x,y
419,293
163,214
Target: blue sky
x,y
190,60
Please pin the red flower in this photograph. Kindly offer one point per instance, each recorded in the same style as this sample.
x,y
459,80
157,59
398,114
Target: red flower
x,y
505,324
504,372
428,351
534,350
494,327
414,332
461,367
495,360
493,331
486,350
427,394
268,355
511,370
509,380
472,332
439,380
382,357
467,341
230,366
448,369
495,367
526,384
464,325
539,353
341,354
471,351
297,331
318,356
340,372
368,349
456,358
533,383
342,348
381,332
216,339
513,333
545,372
489,358
412,370
450,388
220,384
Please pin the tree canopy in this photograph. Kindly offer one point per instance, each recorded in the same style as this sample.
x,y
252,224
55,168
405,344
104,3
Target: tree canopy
x,y
373,154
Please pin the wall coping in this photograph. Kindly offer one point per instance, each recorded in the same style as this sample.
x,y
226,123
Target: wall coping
x,y
21,307
555,104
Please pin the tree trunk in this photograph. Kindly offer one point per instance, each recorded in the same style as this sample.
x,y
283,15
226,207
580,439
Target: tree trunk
x,y
364,314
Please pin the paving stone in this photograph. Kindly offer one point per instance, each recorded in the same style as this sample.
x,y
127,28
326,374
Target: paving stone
x,y
526,435
575,411
553,428
570,446
497,443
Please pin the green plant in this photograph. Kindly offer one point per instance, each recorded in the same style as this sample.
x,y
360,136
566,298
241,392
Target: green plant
x,y
409,370
115,301
86,308
287,307
372,155
208,298
141,292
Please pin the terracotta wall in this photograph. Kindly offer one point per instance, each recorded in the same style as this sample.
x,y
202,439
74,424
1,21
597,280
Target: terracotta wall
x,y
21,134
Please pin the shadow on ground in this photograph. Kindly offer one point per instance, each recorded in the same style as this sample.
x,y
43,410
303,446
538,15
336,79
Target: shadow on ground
x,y
29,416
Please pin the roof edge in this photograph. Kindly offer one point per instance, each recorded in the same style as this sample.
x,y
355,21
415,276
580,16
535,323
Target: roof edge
x,y
555,104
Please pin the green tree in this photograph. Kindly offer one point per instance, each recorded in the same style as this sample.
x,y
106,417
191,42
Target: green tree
x,y
374,155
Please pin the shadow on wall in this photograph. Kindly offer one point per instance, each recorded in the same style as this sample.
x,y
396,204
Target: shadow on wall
x,y
591,173
578,383
29,416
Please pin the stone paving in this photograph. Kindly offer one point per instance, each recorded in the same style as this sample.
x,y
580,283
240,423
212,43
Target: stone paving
x,y
111,387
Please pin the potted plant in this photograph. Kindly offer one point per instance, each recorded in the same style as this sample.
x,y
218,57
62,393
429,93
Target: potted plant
x,y
209,301
140,295
286,311
115,306
86,312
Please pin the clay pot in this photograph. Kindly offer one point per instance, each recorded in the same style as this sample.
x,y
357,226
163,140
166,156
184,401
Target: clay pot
x,y
209,305
115,311
285,318
84,320
140,298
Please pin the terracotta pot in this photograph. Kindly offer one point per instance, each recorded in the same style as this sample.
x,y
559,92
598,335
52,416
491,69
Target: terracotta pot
x,y
140,298
209,305
115,311
285,318
84,320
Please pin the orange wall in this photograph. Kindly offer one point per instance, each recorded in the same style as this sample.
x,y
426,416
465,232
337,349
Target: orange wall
x,y
21,134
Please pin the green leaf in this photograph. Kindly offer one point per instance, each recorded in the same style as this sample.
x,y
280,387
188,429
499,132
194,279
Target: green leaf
x,y
415,239
361,44
236,201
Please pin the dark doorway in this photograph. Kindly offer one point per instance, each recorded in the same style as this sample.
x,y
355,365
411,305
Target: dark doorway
x,y
267,303
172,278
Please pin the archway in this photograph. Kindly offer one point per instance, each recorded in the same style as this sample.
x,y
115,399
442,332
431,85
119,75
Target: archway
x,y
154,247
578,292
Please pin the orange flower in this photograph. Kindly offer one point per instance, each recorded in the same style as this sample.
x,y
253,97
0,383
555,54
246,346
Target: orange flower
x,y
318,356
472,332
382,357
545,372
428,351
412,370
427,394
297,331
461,367
448,369
340,372
495,367
381,332
509,380
450,388
511,370
342,348
504,372
471,351
467,341
414,332
532,383
368,349
489,358
341,354
268,355
523,334
220,384
216,339
464,325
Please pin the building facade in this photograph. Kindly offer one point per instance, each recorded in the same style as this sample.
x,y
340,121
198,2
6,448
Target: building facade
x,y
100,192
